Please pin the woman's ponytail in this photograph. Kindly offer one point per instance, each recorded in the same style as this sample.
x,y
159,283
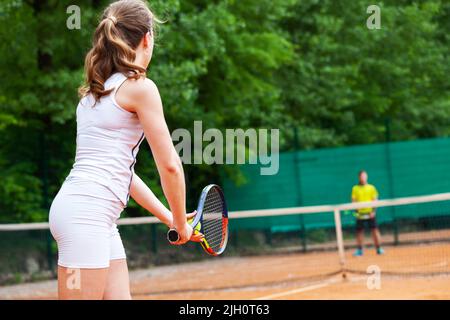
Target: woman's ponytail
x,y
116,38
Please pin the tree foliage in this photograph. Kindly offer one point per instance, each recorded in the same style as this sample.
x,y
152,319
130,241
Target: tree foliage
x,y
308,64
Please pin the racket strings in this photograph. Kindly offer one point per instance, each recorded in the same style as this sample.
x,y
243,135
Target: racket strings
x,y
213,221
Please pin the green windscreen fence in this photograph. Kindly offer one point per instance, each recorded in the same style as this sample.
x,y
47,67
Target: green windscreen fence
x,y
326,176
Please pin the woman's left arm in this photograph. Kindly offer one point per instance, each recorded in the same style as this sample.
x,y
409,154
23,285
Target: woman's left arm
x,y
142,194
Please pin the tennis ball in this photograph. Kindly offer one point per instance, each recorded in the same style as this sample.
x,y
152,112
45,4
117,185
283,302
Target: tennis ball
x,y
198,227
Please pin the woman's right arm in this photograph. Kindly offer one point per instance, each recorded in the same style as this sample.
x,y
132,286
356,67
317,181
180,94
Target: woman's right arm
x,y
148,106
144,196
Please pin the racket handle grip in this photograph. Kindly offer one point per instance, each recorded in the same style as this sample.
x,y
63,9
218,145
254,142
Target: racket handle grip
x,y
172,235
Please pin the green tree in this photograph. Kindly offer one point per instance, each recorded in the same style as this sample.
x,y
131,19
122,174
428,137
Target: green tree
x,y
347,79
281,64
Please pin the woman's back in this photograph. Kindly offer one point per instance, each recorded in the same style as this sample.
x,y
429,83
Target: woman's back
x,y
108,139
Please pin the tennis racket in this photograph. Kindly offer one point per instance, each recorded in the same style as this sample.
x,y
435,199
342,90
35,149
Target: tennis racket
x,y
211,220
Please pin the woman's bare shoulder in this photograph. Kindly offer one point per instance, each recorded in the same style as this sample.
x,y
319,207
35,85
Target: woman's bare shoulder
x,y
141,93
142,86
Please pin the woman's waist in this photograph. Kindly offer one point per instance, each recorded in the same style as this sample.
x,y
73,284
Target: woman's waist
x,y
95,187
109,175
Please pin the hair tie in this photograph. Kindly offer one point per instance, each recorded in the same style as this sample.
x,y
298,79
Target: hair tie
x,y
113,19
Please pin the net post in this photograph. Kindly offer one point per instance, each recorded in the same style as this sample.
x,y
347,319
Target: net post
x,y
234,238
303,233
154,239
49,240
43,154
396,238
269,236
339,237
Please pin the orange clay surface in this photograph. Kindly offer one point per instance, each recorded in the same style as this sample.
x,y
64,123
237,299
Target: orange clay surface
x,y
285,276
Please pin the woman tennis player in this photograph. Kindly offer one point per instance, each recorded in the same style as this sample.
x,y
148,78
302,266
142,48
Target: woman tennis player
x,y
119,106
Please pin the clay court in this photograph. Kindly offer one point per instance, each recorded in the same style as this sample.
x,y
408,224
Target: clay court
x,y
286,276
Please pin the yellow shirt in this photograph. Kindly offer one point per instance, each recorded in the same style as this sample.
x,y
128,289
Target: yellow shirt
x,y
364,193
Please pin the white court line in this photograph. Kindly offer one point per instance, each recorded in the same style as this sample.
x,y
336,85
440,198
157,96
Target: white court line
x,y
299,290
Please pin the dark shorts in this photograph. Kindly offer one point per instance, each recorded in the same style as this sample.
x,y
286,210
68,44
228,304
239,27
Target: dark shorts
x,y
361,223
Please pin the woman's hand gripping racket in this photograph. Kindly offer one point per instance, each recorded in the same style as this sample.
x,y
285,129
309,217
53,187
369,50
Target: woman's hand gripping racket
x,y
211,220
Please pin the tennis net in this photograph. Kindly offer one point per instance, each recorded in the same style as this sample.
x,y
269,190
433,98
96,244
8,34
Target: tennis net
x,y
415,234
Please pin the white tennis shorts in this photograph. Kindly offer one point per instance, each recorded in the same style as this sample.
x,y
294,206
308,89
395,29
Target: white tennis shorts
x,y
82,220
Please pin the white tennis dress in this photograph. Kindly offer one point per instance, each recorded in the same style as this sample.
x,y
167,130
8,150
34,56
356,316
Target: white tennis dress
x,y
83,215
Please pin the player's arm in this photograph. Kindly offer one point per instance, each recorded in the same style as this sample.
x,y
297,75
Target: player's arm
x,y
374,198
144,196
148,106
375,194
353,194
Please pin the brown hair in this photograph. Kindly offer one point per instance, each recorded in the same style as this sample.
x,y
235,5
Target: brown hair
x,y
124,23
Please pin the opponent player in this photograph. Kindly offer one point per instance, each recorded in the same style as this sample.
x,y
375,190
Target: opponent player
x,y
363,192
